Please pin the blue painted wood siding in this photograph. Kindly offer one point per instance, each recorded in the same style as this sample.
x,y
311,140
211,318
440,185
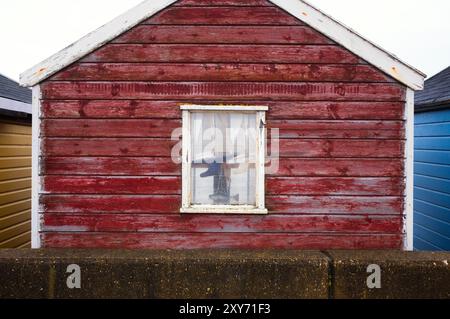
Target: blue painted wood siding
x,y
432,181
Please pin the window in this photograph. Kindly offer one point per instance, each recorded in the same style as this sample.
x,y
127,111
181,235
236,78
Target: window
x,y
223,159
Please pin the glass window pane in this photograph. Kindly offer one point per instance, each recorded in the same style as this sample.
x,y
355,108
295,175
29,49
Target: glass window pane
x,y
223,158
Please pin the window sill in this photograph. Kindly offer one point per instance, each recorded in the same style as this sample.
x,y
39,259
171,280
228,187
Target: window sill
x,y
236,210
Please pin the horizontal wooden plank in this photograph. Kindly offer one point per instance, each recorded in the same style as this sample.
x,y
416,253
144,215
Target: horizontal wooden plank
x,y
160,34
223,91
132,204
13,185
26,245
432,197
432,210
389,186
14,173
441,185
14,162
221,53
167,127
111,109
430,156
220,240
337,129
8,128
171,109
245,3
172,185
345,148
10,232
435,225
14,196
15,139
148,147
151,166
144,147
432,170
223,16
435,239
13,150
17,241
112,185
221,72
340,167
220,223
432,130
277,204
10,220
154,166
432,143
110,128
336,110
335,205
15,207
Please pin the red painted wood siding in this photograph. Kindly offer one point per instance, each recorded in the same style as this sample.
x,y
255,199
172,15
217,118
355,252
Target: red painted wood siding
x,y
107,120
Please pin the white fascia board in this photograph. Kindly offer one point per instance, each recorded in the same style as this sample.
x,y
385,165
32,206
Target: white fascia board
x,y
16,106
354,42
93,41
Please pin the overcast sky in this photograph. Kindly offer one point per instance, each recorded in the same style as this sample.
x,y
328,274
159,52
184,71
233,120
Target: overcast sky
x,y
417,31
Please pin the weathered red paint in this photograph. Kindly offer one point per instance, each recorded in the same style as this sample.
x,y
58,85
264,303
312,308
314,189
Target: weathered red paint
x,y
108,179
249,3
170,223
164,128
277,204
219,53
161,166
188,34
146,147
298,110
132,240
193,91
223,16
221,72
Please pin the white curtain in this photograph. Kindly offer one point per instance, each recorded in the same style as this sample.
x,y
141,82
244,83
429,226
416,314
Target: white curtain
x,y
223,158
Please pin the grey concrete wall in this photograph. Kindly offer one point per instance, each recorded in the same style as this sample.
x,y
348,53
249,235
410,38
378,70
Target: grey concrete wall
x,y
223,274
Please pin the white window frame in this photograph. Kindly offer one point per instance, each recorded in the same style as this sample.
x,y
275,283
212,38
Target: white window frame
x,y
260,117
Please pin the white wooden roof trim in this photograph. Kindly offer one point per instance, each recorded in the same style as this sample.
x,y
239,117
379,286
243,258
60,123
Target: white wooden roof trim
x,y
302,10
93,41
354,42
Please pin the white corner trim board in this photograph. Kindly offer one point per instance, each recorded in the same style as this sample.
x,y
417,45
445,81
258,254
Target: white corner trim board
x,y
354,42
93,41
35,171
315,18
408,222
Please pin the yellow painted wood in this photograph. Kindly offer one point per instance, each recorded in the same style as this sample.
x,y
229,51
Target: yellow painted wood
x,y
15,219
15,162
15,139
15,128
15,230
15,184
9,151
16,241
14,173
27,245
15,207
18,195
9,186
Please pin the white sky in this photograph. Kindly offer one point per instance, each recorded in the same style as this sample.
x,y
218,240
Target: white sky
x,y
417,31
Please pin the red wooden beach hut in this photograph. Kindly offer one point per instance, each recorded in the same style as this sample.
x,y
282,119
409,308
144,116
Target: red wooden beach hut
x,y
321,116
